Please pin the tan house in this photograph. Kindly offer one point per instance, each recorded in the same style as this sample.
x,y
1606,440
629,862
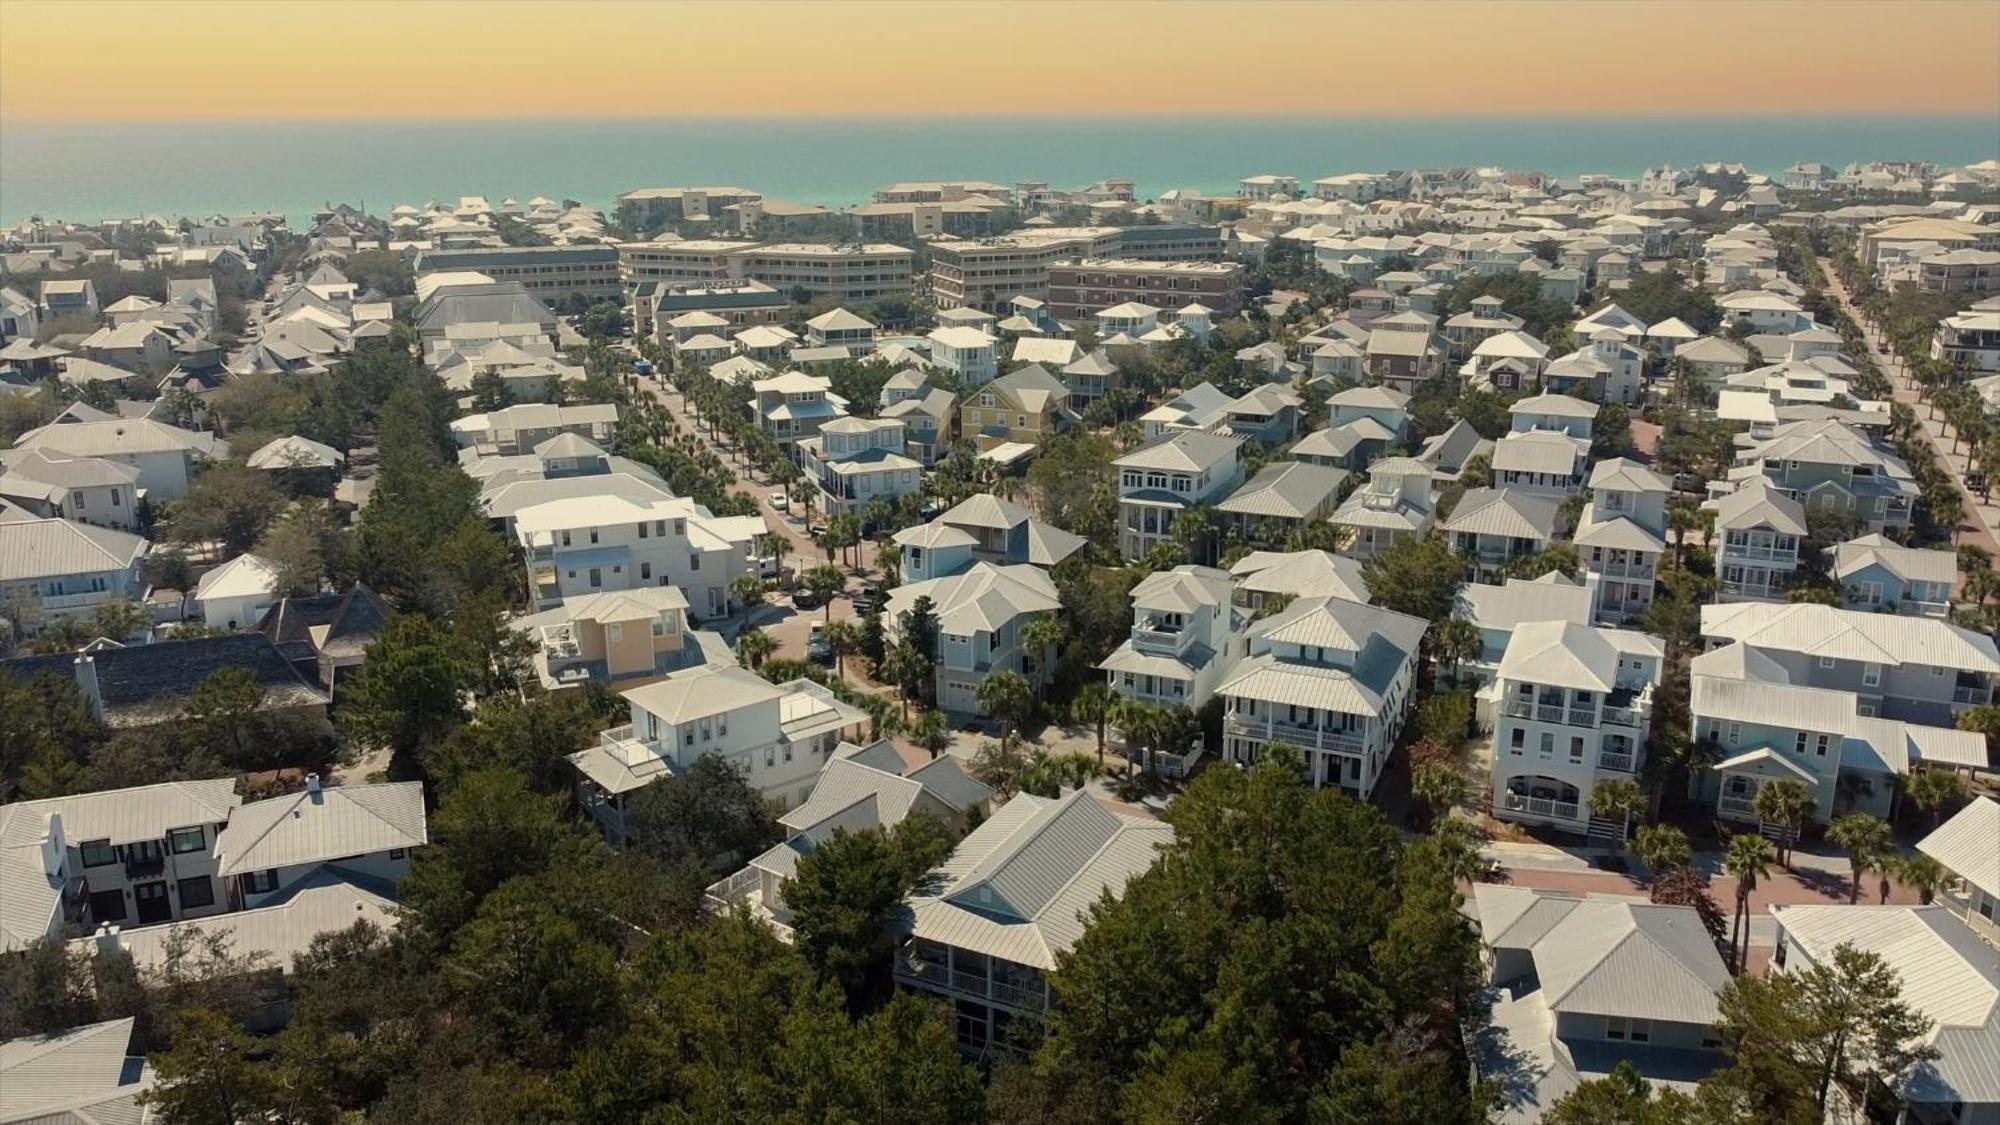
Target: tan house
x,y
1022,407
625,637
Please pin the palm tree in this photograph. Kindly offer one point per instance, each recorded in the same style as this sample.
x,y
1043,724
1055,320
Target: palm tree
x,y
1458,848
754,646
1619,800
933,733
1042,636
776,547
1783,803
825,582
1748,859
1932,789
748,590
1456,640
1441,787
1093,704
1138,722
1682,517
1922,874
889,560
1865,837
901,666
1007,697
842,637
1661,847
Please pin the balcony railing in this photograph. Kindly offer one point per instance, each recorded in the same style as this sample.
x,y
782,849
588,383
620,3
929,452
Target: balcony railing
x,y
614,736
912,969
1732,551
1549,713
1736,808
1624,569
76,601
1300,735
145,867
1622,716
1971,694
1613,760
1540,806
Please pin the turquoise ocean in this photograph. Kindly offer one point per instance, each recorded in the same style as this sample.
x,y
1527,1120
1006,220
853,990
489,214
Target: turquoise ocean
x,y
92,171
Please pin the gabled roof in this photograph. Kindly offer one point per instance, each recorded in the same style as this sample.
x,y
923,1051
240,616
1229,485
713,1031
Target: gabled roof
x,y
1631,959
1566,654
321,825
701,692
1562,406
1018,886
1968,845
1184,451
1301,574
1624,474
1509,512
983,599
1285,490
1371,398
1548,598
1539,451
1912,564
84,1076
1184,589
241,577
1758,503
1876,638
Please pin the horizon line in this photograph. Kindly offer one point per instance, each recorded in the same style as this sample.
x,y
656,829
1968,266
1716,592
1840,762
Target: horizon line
x,y
1053,119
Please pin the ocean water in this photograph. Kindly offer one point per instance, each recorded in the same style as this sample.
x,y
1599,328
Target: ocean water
x,y
92,171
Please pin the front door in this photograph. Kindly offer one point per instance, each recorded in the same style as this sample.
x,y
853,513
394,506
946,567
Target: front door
x,y
152,900
107,906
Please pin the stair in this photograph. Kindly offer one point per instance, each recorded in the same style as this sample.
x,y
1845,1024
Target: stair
x,y
1607,830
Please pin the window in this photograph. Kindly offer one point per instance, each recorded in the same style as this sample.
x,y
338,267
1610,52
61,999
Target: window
x,y
1826,661
185,840
770,756
645,570
1819,747
1519,740
398,853
117,501
197,892
1734,731
1548,744
1799,747
99,853
596,578
1871,675
261,882
1623,1029
78,497
1575,749
694,562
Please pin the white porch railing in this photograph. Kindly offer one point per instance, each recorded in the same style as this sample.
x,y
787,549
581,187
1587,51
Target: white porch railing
x,y
1540,806
1736,808
1613,760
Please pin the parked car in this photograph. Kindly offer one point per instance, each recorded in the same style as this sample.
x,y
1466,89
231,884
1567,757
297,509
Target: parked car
x,y
781,501
805,597
764,566
816,647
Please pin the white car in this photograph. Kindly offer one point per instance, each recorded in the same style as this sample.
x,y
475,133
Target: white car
x,y
780,501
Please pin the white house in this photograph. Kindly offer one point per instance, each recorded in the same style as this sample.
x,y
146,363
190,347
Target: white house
x,y
1187,634
167,457
1167,475
1395,504
1330,677
237,594
51,567
1964,846
1575,704
1760,529
590,544
776,735
857,461
968,353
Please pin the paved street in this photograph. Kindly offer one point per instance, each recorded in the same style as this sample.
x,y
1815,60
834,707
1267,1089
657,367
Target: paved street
x,y
1981,525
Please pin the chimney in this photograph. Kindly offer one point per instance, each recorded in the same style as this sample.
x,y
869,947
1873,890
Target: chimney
x,y
312,787
86,682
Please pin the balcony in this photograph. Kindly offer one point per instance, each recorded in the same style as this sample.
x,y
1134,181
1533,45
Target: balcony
x,y
1168,640
1297,734
1611,569
914,970
1540,806
58,602
138,866
1615,761
1623,716
1549,713
1760,554
1974,695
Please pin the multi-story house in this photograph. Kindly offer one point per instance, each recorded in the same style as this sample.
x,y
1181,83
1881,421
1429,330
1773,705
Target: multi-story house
x,y
777,736
1186,637
1827,463
1281,500
1022,407
1483,320
980,617
969,353
1385,406
1959,271
1764,311
70,299
1575,705
1497,609
117,857
1712,359
1573,416
1492,527
1396,503
1970,339
1608,369
1542,460
1200,407
1508,362
1879,575
517,430
1948,975
1621,536
54,567
1918,669
1166,476
981,528
1586,985
858,789
794,405
1760,529
617,638
839,328
1268,414
167,457
1330,677
1263,575
927,417
88,490
596,544
270,847
986,930
1091,377
1401,357
857,461
1963,846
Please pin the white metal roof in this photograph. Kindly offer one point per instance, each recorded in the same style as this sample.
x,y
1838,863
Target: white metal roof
x,y
1876,638
1968,845
317,826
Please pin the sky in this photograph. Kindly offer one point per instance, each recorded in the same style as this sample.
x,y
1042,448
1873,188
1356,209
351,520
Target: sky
x,y
73,60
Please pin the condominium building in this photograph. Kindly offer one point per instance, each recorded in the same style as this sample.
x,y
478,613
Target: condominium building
x,y
848,272
987,929
1079,287
681,261
652,209
1970,339
1330,677
551,273
777,736
736,306
1575,704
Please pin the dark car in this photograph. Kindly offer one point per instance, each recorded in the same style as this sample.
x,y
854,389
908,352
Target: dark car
x,y
805,597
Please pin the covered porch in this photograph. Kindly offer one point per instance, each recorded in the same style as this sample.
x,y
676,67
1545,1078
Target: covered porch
x,y
1747,773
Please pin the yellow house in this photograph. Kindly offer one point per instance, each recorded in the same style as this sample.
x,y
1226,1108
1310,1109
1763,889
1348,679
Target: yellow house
x,y
1022,407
